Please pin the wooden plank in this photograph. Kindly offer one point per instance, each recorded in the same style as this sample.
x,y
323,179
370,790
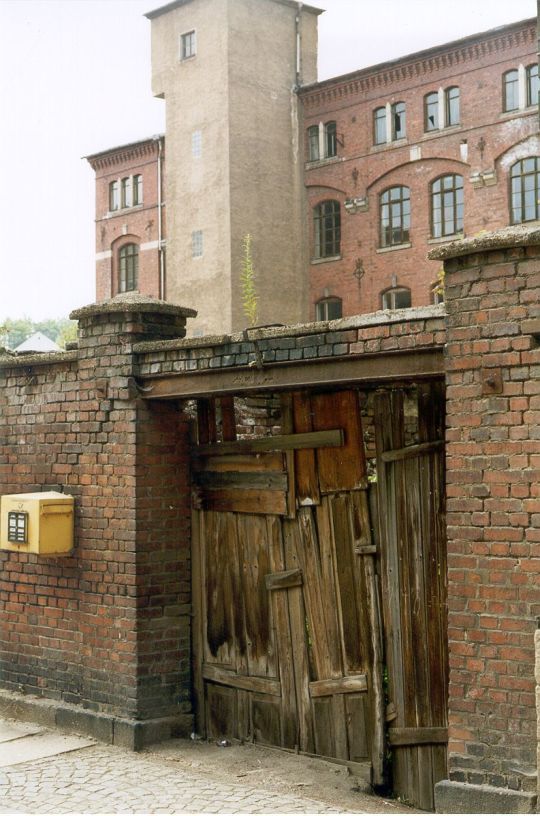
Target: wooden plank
x,y
221,590
341,685
206,421
346,584
243,463
412,451
417,736
287,427
342,468
339,727
242,481
197,624
228,419
244,501
282,638
284,580
307,480
260,685
322,439
254,562
383,367
369,549
299,644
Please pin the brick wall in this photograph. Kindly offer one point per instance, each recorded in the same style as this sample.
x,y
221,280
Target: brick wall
x,y
493,477
107,627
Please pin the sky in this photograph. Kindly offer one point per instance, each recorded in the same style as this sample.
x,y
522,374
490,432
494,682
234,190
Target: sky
x,y
75,79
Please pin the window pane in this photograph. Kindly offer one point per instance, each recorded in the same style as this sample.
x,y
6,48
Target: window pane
x,y
188,47
137,189
394,216
398,121
452,106
114,199
329,309
431,112
402,299
313,143
330,139
532,84
127,200
128,267
327,229
510,87
379,121
196,244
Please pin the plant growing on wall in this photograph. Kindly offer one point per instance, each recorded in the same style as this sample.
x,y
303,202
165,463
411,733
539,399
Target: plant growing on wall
x,y
250,300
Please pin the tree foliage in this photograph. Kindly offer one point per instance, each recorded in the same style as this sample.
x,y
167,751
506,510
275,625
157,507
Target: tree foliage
x,y
14,331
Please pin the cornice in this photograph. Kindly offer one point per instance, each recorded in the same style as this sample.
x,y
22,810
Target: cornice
x,y
414,66
119,155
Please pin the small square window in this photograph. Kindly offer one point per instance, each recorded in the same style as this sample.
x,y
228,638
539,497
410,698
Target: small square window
x,y
196,144
196,244
188,45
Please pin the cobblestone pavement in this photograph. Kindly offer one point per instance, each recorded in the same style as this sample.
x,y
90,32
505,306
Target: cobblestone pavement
x,y
105,779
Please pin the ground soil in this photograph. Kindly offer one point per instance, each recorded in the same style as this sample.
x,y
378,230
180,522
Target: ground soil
x,y
282,772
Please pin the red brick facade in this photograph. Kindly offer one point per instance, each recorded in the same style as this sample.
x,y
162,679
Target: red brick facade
x,y
140,223
493,510
480,148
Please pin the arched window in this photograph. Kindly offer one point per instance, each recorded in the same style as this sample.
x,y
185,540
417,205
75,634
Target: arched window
x,y
447,206
525,190
398,297
511,90
128,267
327,229
532,84
395,216
330,308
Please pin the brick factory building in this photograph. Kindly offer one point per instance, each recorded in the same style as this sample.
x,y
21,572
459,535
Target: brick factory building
x,y
392,160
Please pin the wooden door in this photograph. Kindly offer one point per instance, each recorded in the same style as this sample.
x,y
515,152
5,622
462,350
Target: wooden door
x,y
287,636
410,470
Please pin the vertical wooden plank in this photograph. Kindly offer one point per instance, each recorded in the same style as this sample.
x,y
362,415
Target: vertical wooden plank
x,y
339,717
197,621
206,421
287,427
301,661
228,419
341,468
254,565
282,638
307,481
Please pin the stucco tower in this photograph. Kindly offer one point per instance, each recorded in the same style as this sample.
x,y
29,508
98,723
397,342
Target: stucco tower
x,y
228,70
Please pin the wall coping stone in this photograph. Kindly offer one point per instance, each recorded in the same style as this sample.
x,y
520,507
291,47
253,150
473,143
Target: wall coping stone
x,y
15,360
132,303
519,236
381,318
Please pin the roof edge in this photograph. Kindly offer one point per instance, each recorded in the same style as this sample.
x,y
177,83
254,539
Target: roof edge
x,y
151,15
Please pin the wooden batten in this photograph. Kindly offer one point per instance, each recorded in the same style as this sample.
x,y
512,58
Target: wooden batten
x,y
322,439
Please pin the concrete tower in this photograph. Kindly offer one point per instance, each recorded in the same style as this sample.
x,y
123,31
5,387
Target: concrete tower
x,y
229,70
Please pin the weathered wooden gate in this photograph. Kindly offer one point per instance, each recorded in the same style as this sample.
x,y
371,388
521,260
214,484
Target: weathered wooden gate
x,y
288,638
414,580
287,635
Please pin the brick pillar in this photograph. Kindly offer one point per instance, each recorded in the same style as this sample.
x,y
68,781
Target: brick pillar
x,y
136,470
492,286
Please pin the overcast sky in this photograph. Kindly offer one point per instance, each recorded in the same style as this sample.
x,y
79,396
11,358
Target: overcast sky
x,y
75,79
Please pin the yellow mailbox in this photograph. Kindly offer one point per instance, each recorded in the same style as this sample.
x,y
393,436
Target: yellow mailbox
x,y
39,523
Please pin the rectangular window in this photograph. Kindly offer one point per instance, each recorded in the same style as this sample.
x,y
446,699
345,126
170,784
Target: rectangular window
x,y
114,198
511,90
137,190
379,126
431,112
330,139
532,84
451,99
196,144
196,244
188,45
398,121
313,143
127,199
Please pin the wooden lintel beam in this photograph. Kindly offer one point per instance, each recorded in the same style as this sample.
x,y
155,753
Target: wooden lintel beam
x,y
400,366
283,442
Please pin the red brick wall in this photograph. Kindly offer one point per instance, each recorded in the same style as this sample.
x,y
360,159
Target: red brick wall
x,y
137,225
493,477
107,627
364,169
